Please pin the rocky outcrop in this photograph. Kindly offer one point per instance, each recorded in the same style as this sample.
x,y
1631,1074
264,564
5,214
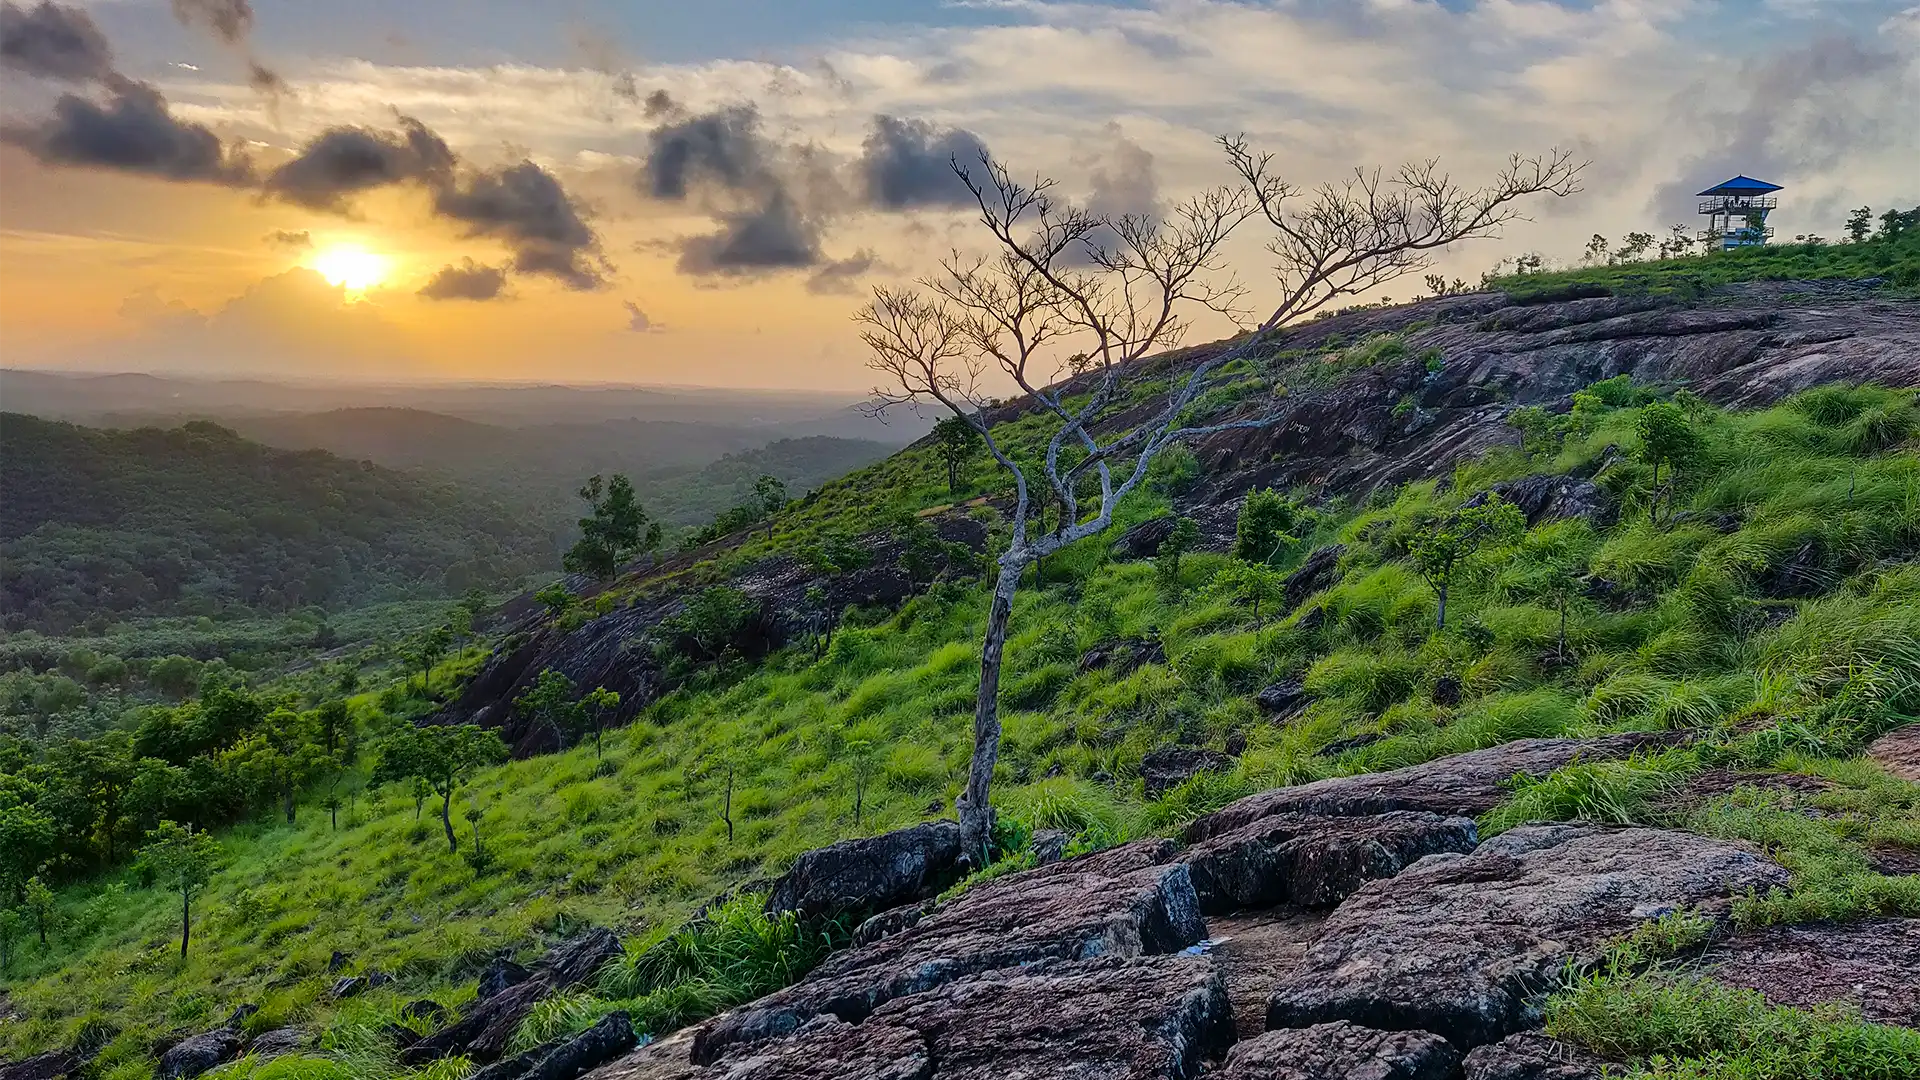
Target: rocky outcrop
x,y
1167,767
1123,656
279,1041
611,651
870,873
1530,1055
1313,861
1547,497
52,1065
1465,945
199,1053
1283,698
1873,966
1125,902
486,1028
1341,1051
1467,784
499,975
567,1059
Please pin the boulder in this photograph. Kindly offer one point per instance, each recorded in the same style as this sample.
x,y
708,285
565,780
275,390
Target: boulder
x,y
346,986
1123,656
890,921
1446,692
870,873
1464,945
338,962
1468,784
1341,1051
499,975
1312,861
1102,1019
424,1009
52,1065
1049,846
284,1040
1898,751
1530,1055
1548,497
1284,698
1872,965
601,1043
488,1026
1126,901
198,1053
1168,767
1319,570
1143,540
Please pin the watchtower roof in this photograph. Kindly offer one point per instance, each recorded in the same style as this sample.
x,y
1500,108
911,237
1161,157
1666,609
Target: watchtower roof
x,y
1741,185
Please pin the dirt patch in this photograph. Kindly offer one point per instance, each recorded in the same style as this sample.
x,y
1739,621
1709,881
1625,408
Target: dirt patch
x,y
1255,950
1868,964
1899,752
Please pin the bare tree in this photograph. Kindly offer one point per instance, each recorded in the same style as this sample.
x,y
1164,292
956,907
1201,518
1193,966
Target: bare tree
x,y
1071,302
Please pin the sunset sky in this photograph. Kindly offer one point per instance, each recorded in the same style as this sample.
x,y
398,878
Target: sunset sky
x,y
701,193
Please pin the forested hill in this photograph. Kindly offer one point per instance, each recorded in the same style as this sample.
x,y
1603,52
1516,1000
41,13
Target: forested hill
x,y
197,520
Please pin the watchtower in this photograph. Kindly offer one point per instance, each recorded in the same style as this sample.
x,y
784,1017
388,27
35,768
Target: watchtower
x,y
1736,212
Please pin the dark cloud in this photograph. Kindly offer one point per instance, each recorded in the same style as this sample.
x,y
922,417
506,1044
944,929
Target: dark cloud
x,y
723,149
909,163
637,320
659,104
842,276
230,20
289,238
344,161
1121,183
773,235
467,281
133,132
525,206
49,41
265,79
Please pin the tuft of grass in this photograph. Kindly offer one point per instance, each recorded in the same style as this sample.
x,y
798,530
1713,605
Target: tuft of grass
x,y
1609,792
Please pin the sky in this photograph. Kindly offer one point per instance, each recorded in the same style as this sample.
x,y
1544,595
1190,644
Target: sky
x,y
703,193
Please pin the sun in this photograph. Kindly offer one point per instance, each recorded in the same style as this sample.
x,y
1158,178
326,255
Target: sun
x,y
351,267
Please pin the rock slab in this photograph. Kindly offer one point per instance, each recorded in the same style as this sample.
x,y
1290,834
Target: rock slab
x,y
1464,946
1341,1051
1314,862
1532,1056
1874,965
870,873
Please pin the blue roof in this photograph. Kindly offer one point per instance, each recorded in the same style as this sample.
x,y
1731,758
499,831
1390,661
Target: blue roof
x,y
1742,185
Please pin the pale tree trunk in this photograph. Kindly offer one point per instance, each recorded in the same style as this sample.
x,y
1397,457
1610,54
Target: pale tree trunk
x,y
974,806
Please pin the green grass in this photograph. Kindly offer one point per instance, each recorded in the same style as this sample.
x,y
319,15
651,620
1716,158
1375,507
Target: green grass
x,y
1704,638
1896,260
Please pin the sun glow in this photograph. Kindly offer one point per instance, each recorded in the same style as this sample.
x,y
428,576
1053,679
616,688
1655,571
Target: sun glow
x,y
351,267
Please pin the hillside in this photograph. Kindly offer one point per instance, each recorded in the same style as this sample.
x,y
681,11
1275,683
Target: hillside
x,y
1688,676
99,525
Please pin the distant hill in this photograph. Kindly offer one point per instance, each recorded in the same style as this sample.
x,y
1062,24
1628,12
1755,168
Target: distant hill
x,y
198,519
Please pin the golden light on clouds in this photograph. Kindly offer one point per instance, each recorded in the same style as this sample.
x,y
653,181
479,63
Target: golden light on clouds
x,y
350,266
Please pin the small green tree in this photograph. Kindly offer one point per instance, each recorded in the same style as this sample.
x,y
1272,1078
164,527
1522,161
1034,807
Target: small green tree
x,y
1443,545
1267,524
955,440
1667,438
1254,584
429,651
599,704
615,530
40,906
441,757
556,599
1180,540
862,765
769,495
550,702
181,861
1860,225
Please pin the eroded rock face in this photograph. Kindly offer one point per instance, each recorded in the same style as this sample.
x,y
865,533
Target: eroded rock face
x,y
1466,784
488,1026
1464,945
1167,767
1072,1020
870,873
1874,965
1341,1051
1313,862
1530,1055
1124,902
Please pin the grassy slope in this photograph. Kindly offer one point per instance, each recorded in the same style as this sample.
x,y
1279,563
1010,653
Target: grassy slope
x,y
643,844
